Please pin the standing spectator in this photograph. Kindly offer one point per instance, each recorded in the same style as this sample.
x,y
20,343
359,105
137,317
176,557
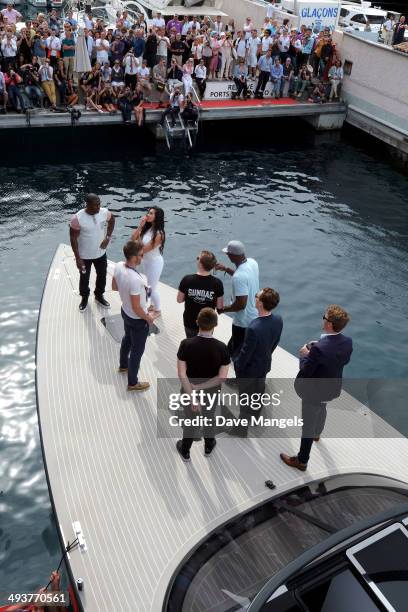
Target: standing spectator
x,y
46,74
226,56
60,78
202,363
241,47
284,44
136,319
254,53
90,233
158,21
68,48
9,49
139,45
245,286
200,290
188,70
320,380
276,77
265,67
150,52
215,46
399,31
201,77
102,49
40,48
11,14
131,65
177,48
153,236
163,46
174,24
335,78
117,49
24,45
143,76
388,29
3,93
54,49
159,79
248,27
218,25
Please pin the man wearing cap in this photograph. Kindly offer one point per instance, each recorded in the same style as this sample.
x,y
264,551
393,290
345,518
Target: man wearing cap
x,y
12,15
245,286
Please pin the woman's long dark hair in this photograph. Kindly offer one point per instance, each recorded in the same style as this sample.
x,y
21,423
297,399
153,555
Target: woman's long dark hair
x,y
157,227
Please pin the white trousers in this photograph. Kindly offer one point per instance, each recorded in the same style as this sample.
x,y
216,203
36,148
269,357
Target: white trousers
x,y
153,268
225,65
188,84
388,37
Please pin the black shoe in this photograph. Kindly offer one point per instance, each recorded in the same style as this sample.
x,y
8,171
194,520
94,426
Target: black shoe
x,y
208,448
101,300
184,455
83,304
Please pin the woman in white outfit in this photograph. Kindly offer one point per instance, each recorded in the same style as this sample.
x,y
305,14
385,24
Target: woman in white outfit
x,y
151,233
188,70
226,56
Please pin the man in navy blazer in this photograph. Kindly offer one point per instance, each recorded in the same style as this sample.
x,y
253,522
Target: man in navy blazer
x,y
320,380
254,359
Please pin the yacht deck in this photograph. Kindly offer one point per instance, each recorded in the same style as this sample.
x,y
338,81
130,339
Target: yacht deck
x,y
140,507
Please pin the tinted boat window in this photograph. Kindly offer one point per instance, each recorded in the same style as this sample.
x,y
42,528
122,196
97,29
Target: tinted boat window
x,y
340,593
234,563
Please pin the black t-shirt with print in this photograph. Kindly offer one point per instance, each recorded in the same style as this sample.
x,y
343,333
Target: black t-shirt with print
x,y
203,356
200,292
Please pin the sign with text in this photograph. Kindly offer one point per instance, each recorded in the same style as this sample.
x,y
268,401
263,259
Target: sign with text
x,y
222,90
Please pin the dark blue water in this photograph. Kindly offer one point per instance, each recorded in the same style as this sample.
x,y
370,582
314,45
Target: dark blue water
x,y
327,223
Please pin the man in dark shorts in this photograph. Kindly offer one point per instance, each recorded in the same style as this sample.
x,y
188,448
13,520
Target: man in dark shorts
x,y
202,364
200,290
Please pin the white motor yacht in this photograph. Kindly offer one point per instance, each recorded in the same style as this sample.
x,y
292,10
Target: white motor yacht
x,y
238,530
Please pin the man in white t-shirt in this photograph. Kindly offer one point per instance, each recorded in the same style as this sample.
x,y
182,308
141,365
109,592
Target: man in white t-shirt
x,y
158,21
254,53
136,319
90,233
245,286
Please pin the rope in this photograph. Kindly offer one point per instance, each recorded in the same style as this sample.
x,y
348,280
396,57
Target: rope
x,y
68,549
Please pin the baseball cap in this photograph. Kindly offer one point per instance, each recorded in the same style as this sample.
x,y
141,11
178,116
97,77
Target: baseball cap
x,y
234,247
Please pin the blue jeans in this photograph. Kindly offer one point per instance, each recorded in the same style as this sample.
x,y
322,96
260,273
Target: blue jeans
x,y
133,346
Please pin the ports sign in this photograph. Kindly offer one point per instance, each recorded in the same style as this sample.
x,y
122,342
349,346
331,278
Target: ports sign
x,y
222,90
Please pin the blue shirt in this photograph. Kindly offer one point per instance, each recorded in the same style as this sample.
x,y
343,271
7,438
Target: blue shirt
x,y
240,72
245,281
277,71
265,63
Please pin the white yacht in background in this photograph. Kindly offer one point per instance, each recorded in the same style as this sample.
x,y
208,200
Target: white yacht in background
x,y
39,4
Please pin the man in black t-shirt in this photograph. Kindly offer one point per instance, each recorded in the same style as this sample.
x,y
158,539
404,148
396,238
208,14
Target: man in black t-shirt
x,y
200,290
202,364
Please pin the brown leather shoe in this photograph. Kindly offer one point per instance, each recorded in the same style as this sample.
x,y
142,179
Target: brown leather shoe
x,y
293,462
316,439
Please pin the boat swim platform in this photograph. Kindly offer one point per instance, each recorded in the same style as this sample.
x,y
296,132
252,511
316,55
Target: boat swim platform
x,y
322,116
140,507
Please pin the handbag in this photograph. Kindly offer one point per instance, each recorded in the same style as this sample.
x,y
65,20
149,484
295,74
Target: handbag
x,y
160,86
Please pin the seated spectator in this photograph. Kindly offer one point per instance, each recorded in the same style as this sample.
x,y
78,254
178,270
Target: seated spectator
x,y
335,77
176,105
318,94
3,93
107,99
287,78
174,76
200,73
190,110
125,103
138,109
117,76
240,80
159,80
71,94
143,78
46,74
13,80
60,78
304,80
32,89
106,71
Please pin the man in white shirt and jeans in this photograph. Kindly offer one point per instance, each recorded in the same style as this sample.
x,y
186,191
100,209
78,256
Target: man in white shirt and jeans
x,y
133,294
90,233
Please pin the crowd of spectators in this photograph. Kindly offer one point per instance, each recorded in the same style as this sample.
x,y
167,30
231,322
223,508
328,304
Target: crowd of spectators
x,y
134,62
